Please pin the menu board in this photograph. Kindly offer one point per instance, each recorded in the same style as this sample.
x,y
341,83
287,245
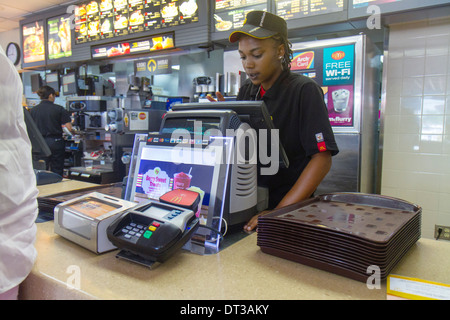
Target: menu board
x,y
106,19
295,9
59,40
365,3
230,14
125,48
33,42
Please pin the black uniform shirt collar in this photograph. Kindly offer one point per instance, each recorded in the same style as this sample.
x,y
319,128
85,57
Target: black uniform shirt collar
x,y
274,89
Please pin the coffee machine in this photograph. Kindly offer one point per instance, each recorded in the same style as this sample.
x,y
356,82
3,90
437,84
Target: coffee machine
x,y
102,149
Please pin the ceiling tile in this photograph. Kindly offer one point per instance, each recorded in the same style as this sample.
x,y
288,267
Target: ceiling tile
x,y
26,5
9,12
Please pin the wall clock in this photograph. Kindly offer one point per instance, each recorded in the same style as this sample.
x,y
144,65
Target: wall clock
x,y
13,52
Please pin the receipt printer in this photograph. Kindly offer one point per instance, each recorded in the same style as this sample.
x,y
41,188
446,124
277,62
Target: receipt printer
x,y
152,232
84,220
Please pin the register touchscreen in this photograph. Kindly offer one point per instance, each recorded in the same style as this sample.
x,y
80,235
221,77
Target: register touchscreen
x,y
158,172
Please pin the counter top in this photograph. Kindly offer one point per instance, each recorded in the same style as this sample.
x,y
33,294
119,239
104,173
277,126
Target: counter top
x,y
240,271
63,186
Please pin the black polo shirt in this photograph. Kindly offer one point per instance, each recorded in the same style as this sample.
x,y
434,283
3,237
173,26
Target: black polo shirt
x,y
49,117
296,104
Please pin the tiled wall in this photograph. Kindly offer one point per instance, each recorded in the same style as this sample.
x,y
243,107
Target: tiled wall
x,y
416,119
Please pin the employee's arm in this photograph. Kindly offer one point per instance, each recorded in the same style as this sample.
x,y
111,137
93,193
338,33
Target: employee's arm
x,y
304,187
218,95
69,127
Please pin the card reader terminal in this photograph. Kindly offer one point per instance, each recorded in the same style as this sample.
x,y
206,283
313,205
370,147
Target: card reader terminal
x,y
152,232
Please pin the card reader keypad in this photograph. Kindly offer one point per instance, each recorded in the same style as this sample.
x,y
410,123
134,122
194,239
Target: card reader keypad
x,y
133,231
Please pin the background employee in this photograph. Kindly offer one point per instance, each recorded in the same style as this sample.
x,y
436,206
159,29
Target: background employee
x,y
49,118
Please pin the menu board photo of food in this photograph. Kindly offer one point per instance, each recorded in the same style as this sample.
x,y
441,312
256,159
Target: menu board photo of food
x,y
59,43
188,11
80,24
33,42
120,17
93,21
169,14
106,5
106,22
136,21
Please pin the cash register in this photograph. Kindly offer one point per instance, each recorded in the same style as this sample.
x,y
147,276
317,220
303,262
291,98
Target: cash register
x,y
195,152
198,148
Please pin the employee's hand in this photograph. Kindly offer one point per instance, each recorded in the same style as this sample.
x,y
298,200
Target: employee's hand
x,y
218,95
253,222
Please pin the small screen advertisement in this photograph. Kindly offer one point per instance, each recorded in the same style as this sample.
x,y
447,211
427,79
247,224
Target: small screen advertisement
x,y
157,173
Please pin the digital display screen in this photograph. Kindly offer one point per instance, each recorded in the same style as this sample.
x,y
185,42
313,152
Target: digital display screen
x,y
365,3
159,42
52,80
163,169
364,8
230,15
295,9
69,84
33,42
197,126
59,40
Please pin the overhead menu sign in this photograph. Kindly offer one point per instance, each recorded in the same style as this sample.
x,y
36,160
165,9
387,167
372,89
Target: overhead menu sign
x,y
105,19
125,48
295,9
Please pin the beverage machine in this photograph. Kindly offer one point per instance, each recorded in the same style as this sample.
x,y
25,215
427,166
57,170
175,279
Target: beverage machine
x,y
101,150
107,125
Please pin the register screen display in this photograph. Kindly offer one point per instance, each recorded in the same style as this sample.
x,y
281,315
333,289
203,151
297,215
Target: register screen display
x,y
162,169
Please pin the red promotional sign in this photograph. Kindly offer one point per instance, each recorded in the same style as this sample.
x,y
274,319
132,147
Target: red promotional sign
x,y
303,60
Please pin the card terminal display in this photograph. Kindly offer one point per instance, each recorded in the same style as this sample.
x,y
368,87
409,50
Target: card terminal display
x,y
156,173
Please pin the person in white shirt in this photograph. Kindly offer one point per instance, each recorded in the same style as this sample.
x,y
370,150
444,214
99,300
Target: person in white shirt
x,y
18,194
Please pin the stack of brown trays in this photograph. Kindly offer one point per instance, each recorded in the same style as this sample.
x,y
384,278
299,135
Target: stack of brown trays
x,y
343,233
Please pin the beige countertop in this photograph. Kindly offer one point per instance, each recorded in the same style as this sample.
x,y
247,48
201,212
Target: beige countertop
x,y
241,271
238,272
63,186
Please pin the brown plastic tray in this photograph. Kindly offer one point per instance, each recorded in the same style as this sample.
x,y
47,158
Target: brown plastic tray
x,y
343,233
349,251
349,214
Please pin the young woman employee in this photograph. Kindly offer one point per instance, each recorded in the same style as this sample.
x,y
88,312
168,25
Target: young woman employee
x,y
296,104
